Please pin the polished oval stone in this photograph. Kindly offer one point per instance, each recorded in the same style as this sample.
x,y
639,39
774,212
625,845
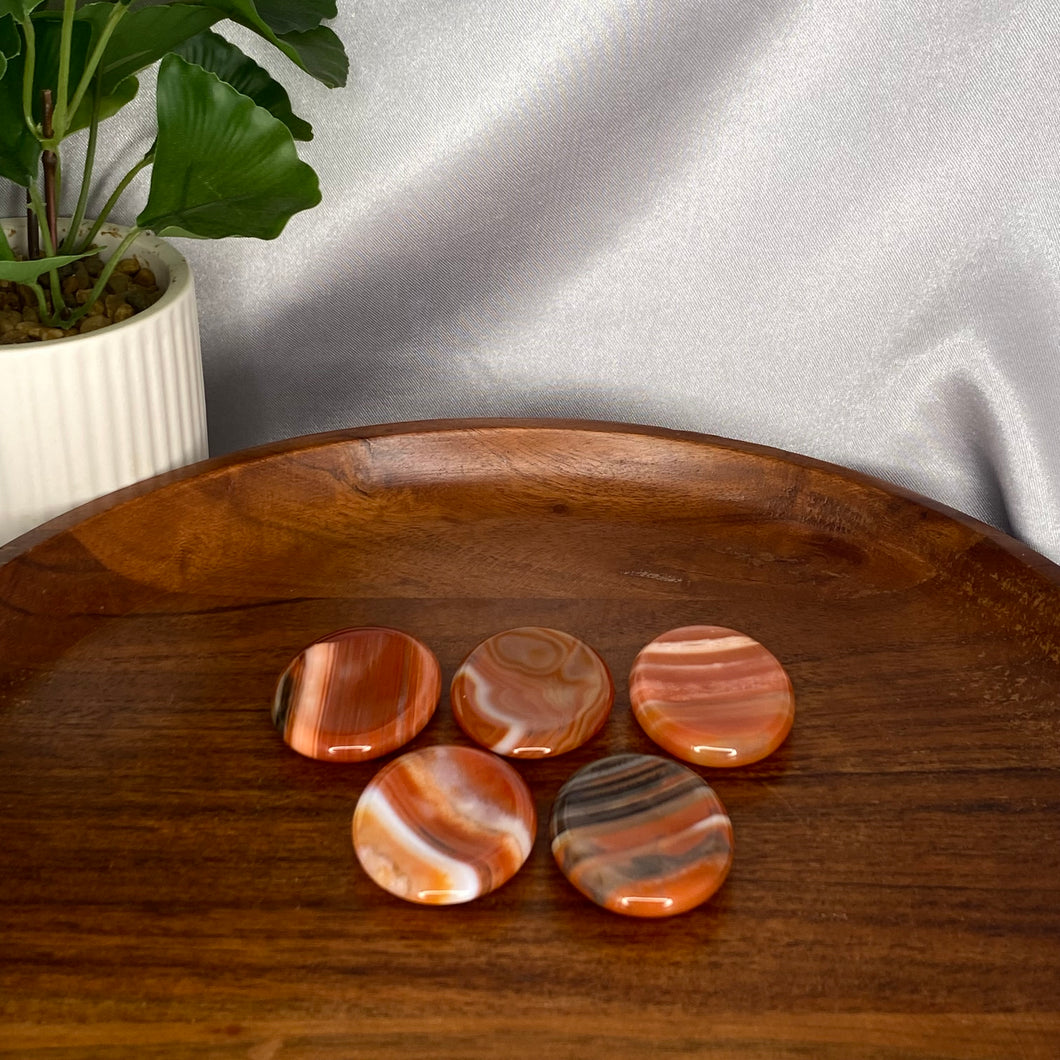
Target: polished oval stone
x,y
712,696
357,694
641,835
444,825
532,692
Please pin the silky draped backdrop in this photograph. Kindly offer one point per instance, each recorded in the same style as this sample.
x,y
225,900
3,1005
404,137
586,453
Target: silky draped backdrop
x,y
831,226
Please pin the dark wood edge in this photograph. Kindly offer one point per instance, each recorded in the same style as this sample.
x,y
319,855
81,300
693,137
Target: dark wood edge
x,y
217,465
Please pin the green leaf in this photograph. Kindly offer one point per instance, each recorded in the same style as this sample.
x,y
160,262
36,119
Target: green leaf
x,y
19,150
86,29
10,46
284,17
109,104
48,31
143,36
214,53
318,51
223,165
18,9
29,271
10,40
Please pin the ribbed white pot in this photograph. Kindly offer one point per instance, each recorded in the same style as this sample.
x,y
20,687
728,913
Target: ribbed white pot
x,y
82,416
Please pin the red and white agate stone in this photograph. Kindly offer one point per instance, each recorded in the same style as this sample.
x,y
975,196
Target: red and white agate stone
x,y
532,692
641,835
712,696
357,694
444,825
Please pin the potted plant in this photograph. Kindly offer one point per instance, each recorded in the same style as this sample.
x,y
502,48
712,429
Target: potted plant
x,y
77,356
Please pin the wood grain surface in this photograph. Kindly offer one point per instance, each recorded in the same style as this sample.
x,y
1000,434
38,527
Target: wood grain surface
x,y
177,882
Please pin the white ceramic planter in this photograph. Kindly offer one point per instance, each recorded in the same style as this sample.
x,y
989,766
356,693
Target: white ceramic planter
x,y
83,416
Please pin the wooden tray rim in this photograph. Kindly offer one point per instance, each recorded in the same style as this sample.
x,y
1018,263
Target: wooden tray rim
x,y
214,466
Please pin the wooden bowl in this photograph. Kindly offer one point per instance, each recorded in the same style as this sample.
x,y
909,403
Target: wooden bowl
x,y
177,881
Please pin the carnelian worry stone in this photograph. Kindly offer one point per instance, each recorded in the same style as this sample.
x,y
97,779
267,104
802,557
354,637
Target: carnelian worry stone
x,y
532,692
641,835
712,696
444,824
357,694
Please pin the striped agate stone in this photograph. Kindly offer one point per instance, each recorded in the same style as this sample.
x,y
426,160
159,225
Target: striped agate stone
x,y
532,692
712,696
444,825
641,835
357,694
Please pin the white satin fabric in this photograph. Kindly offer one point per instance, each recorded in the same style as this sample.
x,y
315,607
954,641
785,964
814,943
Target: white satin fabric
x,y
831,226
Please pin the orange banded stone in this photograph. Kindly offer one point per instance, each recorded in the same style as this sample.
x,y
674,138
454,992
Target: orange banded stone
x,y
641,835
712,696
532,692
357,694
444,825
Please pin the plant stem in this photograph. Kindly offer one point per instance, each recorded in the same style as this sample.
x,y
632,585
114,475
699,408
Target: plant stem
x,y
61,116
86,178
42,304
32,231
109,204
27,74
40,210
50,163
92,65
104,276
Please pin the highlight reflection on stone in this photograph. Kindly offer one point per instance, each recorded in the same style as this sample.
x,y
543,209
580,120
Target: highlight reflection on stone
x,y
444,824
712,696
532,692
357,694
641,835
